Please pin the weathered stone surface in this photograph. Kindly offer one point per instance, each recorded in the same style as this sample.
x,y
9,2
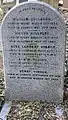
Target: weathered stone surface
x,y
33,38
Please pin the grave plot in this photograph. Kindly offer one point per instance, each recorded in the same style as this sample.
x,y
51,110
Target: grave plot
x,y
33,37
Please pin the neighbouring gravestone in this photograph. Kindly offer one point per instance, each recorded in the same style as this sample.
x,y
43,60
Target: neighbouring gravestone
x,y
20,1
66,39
33,37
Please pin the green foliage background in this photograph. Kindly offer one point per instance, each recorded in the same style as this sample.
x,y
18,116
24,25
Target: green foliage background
x,y
54,3
1,15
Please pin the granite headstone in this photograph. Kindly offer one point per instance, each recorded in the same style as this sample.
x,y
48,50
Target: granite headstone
x,y
33,37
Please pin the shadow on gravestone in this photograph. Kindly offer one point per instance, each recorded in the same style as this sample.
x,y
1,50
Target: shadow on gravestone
x,y
33,38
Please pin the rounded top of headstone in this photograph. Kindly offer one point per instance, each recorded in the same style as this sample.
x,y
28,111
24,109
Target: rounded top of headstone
x,y
31,2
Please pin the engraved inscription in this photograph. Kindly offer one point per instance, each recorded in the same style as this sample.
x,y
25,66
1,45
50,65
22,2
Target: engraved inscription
x,y
33,45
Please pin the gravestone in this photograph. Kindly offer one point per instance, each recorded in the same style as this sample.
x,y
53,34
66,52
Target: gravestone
x,y
20,1
66,39
33,38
